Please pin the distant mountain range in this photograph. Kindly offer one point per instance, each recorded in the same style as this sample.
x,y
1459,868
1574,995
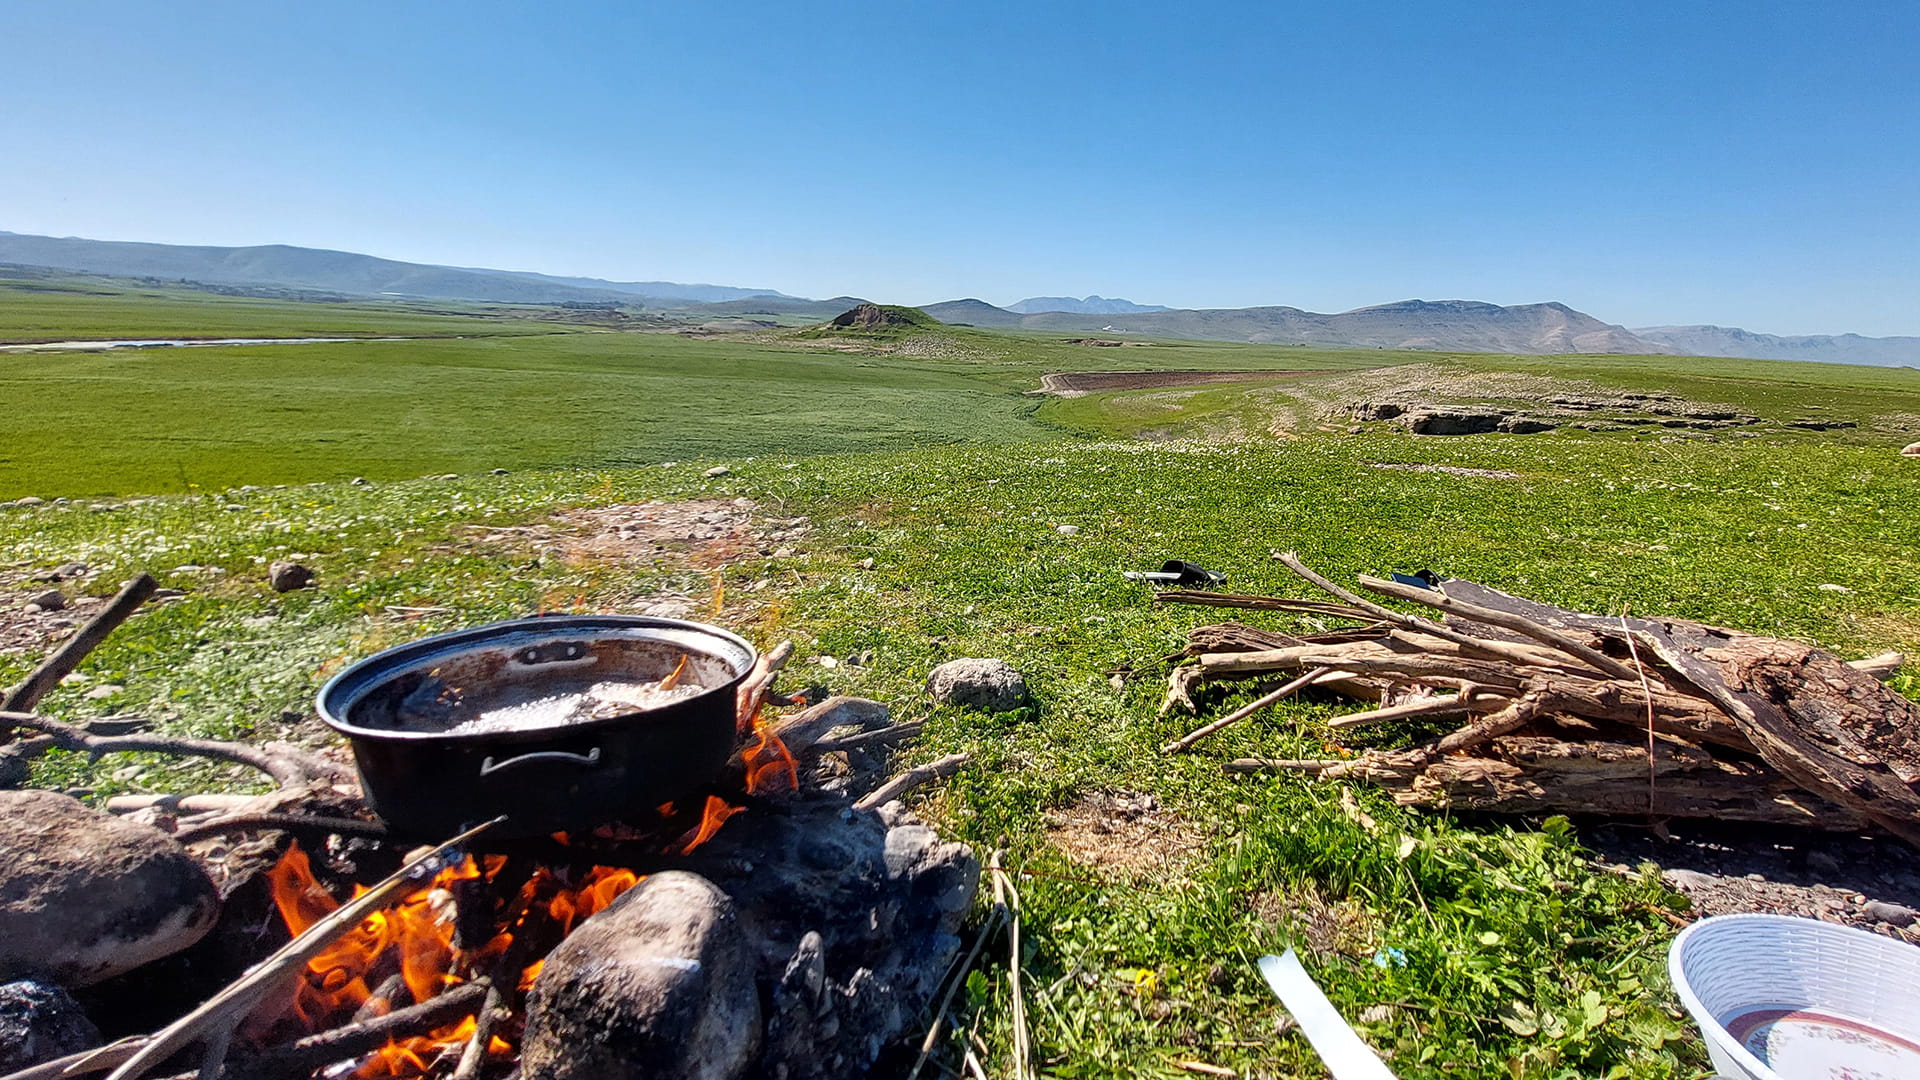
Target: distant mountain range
x,y
1462,325
1833,348
340,272
1092,305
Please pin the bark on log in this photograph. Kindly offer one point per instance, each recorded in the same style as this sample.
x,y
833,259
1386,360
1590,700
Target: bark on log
x,y
1519,774
1830,728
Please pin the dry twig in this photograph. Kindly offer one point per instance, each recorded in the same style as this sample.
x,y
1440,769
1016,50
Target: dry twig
x,y
1288,690
287,766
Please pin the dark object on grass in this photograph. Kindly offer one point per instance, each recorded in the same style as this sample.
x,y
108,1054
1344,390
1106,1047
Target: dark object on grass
x,y
1178,572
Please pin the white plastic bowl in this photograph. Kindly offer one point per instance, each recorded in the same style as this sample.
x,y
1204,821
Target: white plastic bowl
x,y
1809,995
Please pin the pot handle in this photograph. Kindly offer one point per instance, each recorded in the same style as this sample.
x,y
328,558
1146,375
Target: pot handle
x,y
488,766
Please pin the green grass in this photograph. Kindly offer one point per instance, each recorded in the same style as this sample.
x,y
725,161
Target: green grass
x,y
1500,951
70,309
175,420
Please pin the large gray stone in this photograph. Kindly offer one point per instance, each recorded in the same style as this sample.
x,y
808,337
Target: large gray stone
x,y
991,685
85,896
660,984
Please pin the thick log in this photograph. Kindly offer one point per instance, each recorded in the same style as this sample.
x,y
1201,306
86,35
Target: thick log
x,y
1832,729
1532,775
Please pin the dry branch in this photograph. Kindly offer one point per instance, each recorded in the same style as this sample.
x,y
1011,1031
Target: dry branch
x,y
287,766
912,778
1546,635
1286,691
868,739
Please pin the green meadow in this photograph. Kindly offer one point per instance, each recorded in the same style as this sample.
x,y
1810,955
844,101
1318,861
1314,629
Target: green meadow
x,y
935,490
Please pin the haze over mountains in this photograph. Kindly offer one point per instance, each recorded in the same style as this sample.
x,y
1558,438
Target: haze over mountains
x,y
1832,348
1463,325
337,271
1092,305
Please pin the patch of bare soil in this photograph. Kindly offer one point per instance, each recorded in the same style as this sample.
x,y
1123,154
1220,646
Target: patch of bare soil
x,y
1724,868
1081,383
1124,832
1323,926
695,534
28,629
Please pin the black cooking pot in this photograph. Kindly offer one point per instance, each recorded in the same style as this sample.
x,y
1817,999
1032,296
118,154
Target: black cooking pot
x,y
427,782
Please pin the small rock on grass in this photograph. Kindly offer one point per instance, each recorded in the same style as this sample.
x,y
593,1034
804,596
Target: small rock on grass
x,y
716,471
992,685
1912,450
288,576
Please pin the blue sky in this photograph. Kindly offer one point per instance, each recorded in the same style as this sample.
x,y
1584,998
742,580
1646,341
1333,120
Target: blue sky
x,y
1744,163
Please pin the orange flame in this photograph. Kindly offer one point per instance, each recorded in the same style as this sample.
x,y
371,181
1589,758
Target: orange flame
x,y
602,887
768,760
416,935
715,815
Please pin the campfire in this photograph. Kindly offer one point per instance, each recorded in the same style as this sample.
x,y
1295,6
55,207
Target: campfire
x,y
761,921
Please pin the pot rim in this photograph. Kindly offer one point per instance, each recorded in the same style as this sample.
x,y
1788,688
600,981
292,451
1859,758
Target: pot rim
x,y
340,694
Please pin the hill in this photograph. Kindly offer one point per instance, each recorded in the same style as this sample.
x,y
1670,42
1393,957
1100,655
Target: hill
x,y
971,312
1831,348
1092,305
315,269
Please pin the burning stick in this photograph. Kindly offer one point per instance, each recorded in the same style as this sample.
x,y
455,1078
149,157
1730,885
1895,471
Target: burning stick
x,y
299,1059
231,1005
753,690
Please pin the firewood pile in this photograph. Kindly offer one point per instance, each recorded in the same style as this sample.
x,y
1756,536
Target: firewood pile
x,y
793,926
1551,710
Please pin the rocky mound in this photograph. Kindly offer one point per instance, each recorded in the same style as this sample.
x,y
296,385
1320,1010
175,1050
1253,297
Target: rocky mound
x,y
882,317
